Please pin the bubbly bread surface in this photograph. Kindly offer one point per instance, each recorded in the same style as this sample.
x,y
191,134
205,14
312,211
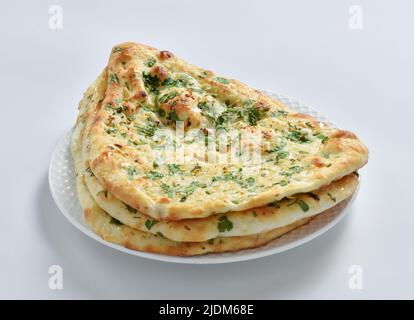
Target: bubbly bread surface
x,y
148,91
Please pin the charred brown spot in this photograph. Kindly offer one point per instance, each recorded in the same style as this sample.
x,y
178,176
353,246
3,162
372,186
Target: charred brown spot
x,y
165,200
317,162
160,72
165,55
262,106
140,94
267,134
343,134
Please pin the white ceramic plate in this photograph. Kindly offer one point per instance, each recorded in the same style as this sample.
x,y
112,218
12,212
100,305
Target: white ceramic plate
x,y
62,182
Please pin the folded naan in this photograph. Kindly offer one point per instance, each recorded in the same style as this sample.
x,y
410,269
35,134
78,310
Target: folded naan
x,y
149,90
253,221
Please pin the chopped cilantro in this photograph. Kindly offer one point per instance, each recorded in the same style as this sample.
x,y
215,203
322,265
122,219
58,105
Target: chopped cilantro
x,y
203,75
114,78
168,190
132,172
150,62
252,115
222,80
174,168
331,197
302,204
89,170
250,181
160,112
130,209
322,137
189,190
150,223
282,154
282,183
167,96
325,155
292,170
298,136
154,175
151,82
224,224
172,116
314,196
279,113
148,130
115,222
275,204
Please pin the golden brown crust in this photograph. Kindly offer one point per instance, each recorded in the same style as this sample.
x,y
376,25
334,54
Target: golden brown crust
x,y
102,224
345,152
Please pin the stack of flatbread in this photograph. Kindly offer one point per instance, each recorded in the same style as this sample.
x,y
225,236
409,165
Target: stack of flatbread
x,y
173,159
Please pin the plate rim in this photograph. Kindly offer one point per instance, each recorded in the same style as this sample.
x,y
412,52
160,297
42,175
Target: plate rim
x,y
204,259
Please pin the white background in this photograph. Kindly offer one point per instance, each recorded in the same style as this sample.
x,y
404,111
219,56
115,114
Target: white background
x,y
361,79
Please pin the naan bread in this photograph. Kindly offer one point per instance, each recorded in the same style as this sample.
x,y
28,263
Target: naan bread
x,y
148,90
113,231
248,222
110,230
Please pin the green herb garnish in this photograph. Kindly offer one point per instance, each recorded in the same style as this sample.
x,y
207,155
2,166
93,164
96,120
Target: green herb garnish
x,y
331,197
150,62
250,181
168,190
189,190
203,75
149,130
322,137
298,136
172,116
174,168
151,82
130,209
314,196
154,175
222,80
224,224
302,204
115,222
275,204
292,170
132,172
114,78
167,96
89,170
150,223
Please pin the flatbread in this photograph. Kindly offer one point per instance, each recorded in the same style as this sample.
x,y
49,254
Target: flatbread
x,y
240,223
110,230
113,231
148,90
253,221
